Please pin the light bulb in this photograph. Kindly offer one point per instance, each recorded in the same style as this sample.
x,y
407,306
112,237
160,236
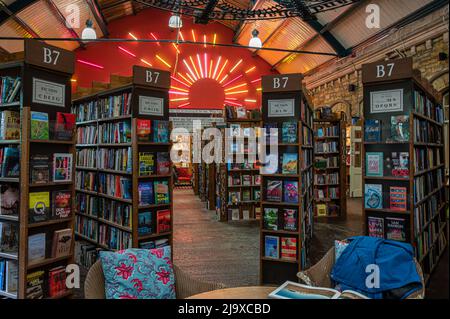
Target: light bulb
x,y
88,32
175,22
255,42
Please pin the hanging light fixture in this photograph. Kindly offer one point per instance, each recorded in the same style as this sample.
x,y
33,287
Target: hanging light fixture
x,y
175,21
255,42
89,32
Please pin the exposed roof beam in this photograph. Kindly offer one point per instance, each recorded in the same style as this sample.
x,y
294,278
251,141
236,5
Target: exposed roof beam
x,y
57,13
251,5
19,21
93,6
343,15
114,4
204,17
275,31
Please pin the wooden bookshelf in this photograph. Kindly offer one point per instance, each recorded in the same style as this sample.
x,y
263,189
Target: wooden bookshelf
x,y
416,214
45,87
241,209
144,96
283,101
330,162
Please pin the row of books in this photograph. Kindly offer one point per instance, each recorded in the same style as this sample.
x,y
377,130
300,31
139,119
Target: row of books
x,y
278,191
246,195
427,238
435,252
87,134
38,245
151,163
87,157
373,197
307,136
426,132
154,222
289,164
394,228
327,209
156,243
280,219
235,213
307,180
86,181
398,128
289,132
62,129
427,183
154,192
326,179
46,283
287,251
118,132
10,161
9,89
426,211
244,180
326,147
423,105
61,168
86,254
308,158
9,276
85,111
397,164
115,186
245,165
87,204
152,131
326,193
118,159
114,238
246,130
114,105
86,227
326,162
239,112
426,158
115,212
327,131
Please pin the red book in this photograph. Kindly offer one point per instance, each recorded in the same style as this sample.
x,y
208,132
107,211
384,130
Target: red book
x,y
289,248
143,130
57,281
65,126
163,221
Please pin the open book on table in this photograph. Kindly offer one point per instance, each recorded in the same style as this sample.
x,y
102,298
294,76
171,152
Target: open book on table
x,y
293,290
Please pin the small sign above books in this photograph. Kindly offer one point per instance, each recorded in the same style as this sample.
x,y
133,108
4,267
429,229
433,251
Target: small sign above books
x,y
387,70
153,106
281,108
49,57
386,101
49,93
282,83
151,77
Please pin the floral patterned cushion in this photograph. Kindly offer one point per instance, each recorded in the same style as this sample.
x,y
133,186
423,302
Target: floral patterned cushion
x,y
138,274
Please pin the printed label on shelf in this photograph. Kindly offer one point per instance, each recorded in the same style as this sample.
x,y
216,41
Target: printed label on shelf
x,y
49,93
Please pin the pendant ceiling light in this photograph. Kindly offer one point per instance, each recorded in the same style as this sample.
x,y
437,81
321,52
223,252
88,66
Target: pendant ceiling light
x,y
89,32
175,21
255,42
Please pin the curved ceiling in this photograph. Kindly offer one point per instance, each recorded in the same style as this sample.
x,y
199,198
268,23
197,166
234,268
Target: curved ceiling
x,y
331,31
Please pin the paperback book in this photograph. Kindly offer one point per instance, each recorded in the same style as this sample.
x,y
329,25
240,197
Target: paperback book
x,y
145,223
146,163
396,228
40,169
9,125
161,132
398,198
271,218
39,126
290,163
400,164
161,189
291,192
36,247
272,247
62,204
400,128
162,163
64,126
374,164
62,242
290,219
9,200
289,248
143,130
372,130
163,221
9,237
375,226
146,196
39,207
10,161
373,196
62,167
274,191
289,132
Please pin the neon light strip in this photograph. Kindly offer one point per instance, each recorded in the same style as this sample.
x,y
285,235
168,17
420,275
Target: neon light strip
x,y
73,80
189,76
176,48
259,89
181,75
91,64
236,92
132,35
231,81
233,103
179,93
214,39
126,51
154,37
235,87
210,68
181,105
177,88
200,65
195,68
215,69
250,100
224,78
221,70
193,35
146,62
189,68
163,61
236,65
179,99
257,80
204,40
181,36
251,69
205,60
232,98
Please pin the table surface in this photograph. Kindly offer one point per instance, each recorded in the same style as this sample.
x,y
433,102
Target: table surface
x,y
252,292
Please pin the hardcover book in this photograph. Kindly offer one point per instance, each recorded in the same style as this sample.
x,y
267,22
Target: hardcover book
x,y
163,221
375,226
40,169
289,248
64,126
143,130
270,218
162,163
35,285
62,242
146,163
400,128
146,196
290,219
9,237
234,197
373,196
291,192
374,164
39,126
62,204
57,281
372,130
161,132
161,189
36,247
271,247
9,200
398,198
10,162
396,228
62,167
145,223
38,207
274,191
289,132
290,163
400,164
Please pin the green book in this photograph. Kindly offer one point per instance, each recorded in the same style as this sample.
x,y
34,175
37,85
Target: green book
x,y
39,126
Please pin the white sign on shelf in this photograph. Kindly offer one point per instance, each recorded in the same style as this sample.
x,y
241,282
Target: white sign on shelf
x,y
49,93
151,106
281,108
386,101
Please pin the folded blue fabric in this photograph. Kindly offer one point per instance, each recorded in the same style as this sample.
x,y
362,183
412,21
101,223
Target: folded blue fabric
x,y
395,261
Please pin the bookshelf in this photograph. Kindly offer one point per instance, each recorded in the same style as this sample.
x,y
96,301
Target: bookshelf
x,y
287,189
330,169
239,183
37,195
403,153
124,173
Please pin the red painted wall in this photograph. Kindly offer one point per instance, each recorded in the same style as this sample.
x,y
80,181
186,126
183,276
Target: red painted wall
x,y
201,93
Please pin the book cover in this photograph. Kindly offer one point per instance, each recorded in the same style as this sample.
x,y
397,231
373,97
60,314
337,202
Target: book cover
x,y
246,195
36,247
373,196
40,169
161,189
35,285
145,190
245,214
9,200
290,219
62,167
291,191
274,191
235,214
62,204
400,164
397,198
246,180
38,207
375,226
62,242
162,163
374,164
146,163
257,179
10,125
145,226
234,197
290,163
9,237
11,162
322,210
400,128
64,126
163,221
271,247
39,126
289,132
256,194
57,281
372,130
270,218
12,276
161,132
143,130
289,248
396,228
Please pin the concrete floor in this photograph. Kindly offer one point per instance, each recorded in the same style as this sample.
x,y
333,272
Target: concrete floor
x,y
229,252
